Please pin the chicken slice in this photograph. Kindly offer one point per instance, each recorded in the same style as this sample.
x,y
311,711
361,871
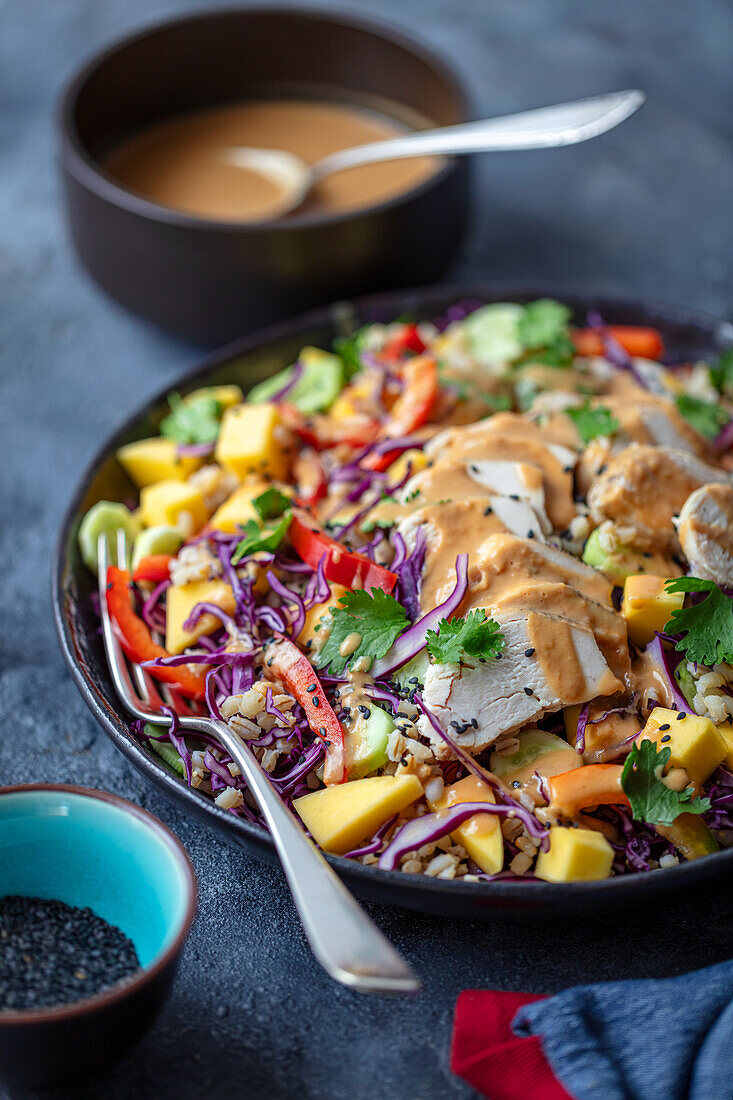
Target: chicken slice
x,y
547,664
516,481
643,487
705,530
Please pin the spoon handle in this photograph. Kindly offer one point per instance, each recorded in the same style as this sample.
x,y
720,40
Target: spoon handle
x,y
563,124
343,938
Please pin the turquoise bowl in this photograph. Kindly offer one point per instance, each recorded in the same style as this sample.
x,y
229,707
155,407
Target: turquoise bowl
x,y
90,848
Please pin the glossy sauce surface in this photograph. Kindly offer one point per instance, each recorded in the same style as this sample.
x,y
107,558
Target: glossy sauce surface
x,y
183,163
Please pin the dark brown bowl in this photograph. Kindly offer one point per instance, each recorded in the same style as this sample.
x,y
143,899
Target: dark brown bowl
x,y
687,334
212,281
90,848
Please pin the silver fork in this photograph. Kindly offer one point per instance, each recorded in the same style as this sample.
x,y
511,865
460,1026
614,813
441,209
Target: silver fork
x,y
343,938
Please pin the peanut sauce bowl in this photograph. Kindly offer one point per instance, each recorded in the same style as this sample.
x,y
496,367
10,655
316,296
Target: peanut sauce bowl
x,y
686,334
90,849
212,280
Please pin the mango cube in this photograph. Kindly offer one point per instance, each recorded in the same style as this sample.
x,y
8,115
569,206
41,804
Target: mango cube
x,y
726,732
413,459
151,460
226,395
647,606
340,817
481,835
173,504
234,512
695,743
248,442
316,613
179,603
575,855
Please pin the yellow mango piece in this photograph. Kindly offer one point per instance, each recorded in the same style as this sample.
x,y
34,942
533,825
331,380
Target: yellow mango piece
x,y
238,508
412,458
575,855
173,504
647,607
151,460
341,816
695,743
180,600
726,732
481,835
248,443
226,395
349,401
316,613
570,717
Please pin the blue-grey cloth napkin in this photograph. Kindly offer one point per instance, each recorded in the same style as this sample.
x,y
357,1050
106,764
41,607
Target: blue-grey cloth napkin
x,y
650,1039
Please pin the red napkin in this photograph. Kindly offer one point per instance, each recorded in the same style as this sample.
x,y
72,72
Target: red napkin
x,y
486,1052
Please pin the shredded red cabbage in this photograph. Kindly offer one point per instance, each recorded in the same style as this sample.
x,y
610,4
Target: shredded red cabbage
x,y
409,573
431,827
413,640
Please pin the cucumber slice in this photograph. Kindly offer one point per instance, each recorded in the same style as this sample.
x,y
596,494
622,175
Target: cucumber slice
x,y
156,540
417,667
685,682
164,749
533,745
106,517
317,388
493,333
366,742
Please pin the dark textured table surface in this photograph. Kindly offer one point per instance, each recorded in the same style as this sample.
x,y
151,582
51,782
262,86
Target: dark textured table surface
x,y
644,210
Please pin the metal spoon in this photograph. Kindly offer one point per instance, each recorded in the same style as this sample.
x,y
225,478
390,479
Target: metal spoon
x,y
547,127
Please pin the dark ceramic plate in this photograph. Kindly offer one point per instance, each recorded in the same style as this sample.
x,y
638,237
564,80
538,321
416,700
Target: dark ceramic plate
x,y
686,333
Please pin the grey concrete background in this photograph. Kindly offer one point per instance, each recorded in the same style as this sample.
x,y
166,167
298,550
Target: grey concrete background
x,y
645,210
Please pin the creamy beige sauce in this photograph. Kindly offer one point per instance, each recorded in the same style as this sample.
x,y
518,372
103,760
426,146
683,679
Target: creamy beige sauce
x,y
553,643
644,488
183,162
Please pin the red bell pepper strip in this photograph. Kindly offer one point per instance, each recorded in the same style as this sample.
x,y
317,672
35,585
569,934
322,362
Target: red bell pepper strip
x,y
642,343
154,568
137,641
295,672
408,339
412,408
322,432
341,566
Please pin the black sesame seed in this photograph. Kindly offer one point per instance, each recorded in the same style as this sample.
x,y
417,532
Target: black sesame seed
x,y
53,953
456,724
529,652
312,687
602,469
664,727
488,510
516,783
528,691
474,723
413,680
514,496
316,701
667,737
322,731
530,534
682,714
364,710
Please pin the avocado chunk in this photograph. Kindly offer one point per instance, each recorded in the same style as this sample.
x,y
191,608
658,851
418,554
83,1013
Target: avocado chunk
x,y
690,836
533,746
317,388
617,564
366,742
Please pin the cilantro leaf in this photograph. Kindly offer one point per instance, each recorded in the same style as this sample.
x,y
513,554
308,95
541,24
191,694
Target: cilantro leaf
x,y
349,349
651,799
377,618
542,322
258,538
194,421
473,636
271,504
721,373
707,626
704,416
593,422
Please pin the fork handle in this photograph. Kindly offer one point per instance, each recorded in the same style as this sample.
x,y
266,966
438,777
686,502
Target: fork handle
x,y
343,938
